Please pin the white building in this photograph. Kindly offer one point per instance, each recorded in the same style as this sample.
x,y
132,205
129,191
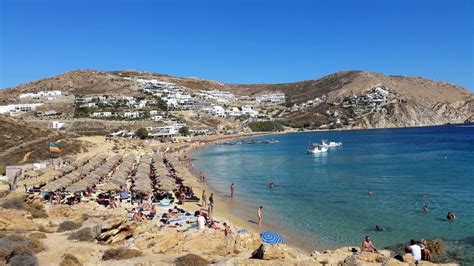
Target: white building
x,y
101,114
132,114
157,118
41,94
216,110
17,109
57,125
89,105
275,98
247,110
234,112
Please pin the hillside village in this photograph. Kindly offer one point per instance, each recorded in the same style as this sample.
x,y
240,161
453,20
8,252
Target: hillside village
x,y
160,100
167,107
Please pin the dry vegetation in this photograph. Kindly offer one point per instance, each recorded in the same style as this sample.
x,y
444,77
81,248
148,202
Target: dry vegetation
x,y
70,260
17,201
191,260
121,254
21,142
68,226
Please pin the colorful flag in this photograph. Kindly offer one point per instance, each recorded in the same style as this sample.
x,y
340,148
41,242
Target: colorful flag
x,y
54,148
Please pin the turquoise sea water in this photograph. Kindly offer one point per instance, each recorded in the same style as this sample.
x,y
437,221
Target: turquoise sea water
x,y
322,200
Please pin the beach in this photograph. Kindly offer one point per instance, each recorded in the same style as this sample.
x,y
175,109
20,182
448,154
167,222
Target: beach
x,y
147,243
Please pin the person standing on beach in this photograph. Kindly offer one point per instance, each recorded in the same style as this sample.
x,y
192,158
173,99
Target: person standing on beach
x,y
211,204
232,190
260,214
204,198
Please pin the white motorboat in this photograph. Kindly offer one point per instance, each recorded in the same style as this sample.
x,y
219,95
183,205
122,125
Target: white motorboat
x,y
318,149
330,143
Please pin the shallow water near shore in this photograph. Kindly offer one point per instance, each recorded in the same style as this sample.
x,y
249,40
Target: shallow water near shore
x,y
322,199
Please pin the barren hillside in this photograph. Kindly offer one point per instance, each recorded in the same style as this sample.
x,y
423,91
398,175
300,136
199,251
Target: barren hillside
x,y
21,142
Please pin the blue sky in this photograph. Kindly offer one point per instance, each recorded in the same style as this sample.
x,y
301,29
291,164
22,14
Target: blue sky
x,y
238,41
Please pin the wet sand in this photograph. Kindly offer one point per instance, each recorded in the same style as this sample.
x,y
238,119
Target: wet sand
x,y
229,209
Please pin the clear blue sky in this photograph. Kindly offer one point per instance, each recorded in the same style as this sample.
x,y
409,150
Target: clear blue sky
x,y
238,41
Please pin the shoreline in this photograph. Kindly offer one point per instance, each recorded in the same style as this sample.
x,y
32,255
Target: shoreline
x,y
240,212
165,245
226,208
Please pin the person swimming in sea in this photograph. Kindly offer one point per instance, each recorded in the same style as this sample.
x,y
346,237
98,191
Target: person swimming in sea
x,y
379,228
271,185
451,216
425,209
370,192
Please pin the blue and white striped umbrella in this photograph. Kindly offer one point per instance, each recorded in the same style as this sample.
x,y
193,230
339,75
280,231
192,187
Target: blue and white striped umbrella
x,y
270,237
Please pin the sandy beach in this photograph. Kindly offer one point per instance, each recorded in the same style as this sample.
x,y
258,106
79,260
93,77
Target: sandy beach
x,y
91,234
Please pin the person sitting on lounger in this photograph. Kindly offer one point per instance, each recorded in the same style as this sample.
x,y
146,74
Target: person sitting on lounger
x,y
367,245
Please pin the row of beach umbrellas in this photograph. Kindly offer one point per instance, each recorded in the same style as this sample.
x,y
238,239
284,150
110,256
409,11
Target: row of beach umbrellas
x,y
142,182
119,178
95,176
76,175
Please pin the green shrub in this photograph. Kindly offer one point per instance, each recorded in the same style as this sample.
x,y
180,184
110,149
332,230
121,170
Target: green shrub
x,y
184,131
142,133
266,126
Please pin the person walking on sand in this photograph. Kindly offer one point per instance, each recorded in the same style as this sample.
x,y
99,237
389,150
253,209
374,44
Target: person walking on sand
x,y
204,198
260,214
232,190
211,204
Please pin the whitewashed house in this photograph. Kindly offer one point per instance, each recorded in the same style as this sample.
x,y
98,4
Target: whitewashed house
x,y
234,112
218,110
57,125
275,98
101,114
17,109
132,114
157,118
247,110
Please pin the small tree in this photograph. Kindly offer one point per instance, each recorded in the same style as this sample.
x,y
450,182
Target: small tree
x,y
184,131
288,101
142,133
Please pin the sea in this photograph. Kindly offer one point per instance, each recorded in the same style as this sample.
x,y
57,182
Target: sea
x,y
321,201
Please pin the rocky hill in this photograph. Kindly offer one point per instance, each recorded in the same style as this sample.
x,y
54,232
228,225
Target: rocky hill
x,y
347,99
